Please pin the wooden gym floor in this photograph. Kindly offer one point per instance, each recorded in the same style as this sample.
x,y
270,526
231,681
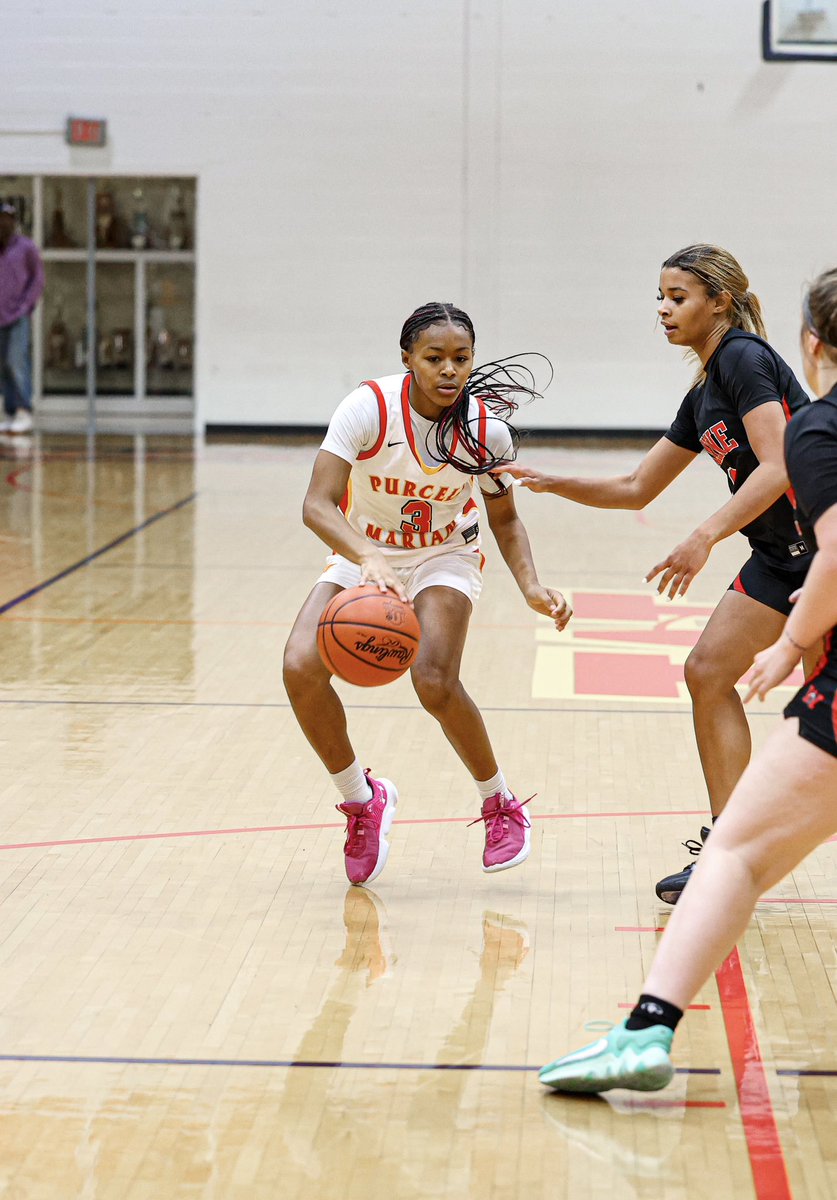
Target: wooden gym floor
x,y
195,1003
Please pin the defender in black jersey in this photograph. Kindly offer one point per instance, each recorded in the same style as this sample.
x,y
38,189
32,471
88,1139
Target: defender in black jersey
x,y
736,410
785,803
811,453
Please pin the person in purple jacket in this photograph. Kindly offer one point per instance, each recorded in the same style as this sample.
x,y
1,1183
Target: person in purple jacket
x,y
21,285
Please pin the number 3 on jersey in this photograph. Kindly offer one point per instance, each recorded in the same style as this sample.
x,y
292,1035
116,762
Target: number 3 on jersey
x,y
418,517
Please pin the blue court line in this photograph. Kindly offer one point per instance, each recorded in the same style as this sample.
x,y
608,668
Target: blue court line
x,y
40,587
804,1071
291,1062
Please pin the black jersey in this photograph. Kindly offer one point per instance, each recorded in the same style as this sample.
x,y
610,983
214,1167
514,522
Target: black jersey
x,y
811,455
743,373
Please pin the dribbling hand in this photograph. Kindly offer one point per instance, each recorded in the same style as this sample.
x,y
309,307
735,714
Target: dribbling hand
x,y
375,569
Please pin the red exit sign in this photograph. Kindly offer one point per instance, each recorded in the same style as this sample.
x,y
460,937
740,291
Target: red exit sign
x,y
86,131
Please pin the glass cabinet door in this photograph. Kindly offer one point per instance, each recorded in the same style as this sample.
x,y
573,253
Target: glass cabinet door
x,y
115,282
145,295
170,341
64,329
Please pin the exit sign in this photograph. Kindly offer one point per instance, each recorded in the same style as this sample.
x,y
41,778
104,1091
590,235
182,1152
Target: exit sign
x,y
86,131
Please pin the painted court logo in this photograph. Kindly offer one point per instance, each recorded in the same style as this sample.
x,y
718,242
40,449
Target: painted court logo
x,y
623,645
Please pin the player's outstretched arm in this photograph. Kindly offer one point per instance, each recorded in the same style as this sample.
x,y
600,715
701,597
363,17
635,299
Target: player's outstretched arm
x,y
510,534
321,513
661,465
765,427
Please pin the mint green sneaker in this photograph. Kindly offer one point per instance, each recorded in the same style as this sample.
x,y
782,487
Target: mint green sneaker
x,y
624,1058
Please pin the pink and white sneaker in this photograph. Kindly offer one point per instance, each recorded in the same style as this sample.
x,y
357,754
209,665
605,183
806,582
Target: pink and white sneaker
x,y
507,832
366,848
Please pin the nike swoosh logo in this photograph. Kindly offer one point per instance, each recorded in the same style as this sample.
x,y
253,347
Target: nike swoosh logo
x,y
401,443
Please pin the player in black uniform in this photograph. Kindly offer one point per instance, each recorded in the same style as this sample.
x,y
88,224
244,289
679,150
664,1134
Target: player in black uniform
x,y
763,836
736,410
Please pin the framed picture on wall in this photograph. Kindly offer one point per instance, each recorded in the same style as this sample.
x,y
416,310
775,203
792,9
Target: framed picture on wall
x,y
799,31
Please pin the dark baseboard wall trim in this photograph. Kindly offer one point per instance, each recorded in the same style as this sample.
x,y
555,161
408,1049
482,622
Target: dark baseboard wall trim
x,y
318,431
574,435
283,431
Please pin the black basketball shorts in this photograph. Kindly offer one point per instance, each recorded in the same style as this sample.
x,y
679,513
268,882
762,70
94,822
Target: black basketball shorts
x,y
816,702
769,584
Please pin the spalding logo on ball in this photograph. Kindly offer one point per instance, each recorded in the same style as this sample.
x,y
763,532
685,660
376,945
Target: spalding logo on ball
x,y
368,637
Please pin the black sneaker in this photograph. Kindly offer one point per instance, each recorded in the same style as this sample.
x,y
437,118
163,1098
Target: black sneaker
x,y
669,889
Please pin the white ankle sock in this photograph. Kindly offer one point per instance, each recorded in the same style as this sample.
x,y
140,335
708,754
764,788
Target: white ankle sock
x,y
490,787
352,784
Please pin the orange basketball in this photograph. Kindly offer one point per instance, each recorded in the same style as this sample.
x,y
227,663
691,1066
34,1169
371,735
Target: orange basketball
x,y
368,637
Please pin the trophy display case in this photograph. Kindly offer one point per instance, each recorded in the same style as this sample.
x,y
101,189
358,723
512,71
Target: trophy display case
x,y
144,337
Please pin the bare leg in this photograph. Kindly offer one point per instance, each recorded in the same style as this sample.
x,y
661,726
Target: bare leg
x,y
316,704
738,628
444,614
784,806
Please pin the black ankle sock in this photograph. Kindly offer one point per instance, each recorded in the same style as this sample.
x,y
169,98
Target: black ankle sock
x,y
651,1010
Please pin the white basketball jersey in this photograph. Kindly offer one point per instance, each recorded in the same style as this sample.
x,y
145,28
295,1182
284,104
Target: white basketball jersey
x,y
398,496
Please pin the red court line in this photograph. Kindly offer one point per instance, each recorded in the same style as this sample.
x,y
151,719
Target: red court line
x,y
618,928
767,1159
184,833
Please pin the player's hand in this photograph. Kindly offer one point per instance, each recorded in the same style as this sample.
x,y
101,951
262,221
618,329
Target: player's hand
x,y
528,477
679,569
375,569
794,596
550,603
772,666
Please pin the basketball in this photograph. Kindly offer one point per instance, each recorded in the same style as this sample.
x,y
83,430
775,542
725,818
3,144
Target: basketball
x,y
368,637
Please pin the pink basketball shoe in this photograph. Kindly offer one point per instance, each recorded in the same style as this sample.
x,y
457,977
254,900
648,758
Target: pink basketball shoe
x,y
366,848
507,832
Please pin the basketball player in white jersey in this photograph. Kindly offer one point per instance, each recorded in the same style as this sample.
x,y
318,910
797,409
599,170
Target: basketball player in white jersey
x,y
391,495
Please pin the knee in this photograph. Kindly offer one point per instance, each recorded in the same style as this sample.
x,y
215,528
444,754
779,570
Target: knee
x,y
703,674
434,687
301,665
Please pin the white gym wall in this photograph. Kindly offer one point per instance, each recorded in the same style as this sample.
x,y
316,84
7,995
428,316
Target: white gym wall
x,y
530,160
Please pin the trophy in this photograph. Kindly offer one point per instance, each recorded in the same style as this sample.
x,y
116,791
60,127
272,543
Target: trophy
x,y
58,356
140,229
123,347
184,353
58,238
110,231
178,230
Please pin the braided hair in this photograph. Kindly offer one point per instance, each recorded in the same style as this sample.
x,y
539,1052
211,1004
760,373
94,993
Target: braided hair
x,y
501,385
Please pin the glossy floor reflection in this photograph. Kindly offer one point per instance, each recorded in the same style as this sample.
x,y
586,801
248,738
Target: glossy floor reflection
x,y
194,1001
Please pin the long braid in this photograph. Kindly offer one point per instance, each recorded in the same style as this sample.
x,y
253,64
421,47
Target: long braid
x,y
501,386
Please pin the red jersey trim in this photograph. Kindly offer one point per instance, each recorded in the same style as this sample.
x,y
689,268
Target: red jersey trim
x,y
382,419
411,437
790,493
